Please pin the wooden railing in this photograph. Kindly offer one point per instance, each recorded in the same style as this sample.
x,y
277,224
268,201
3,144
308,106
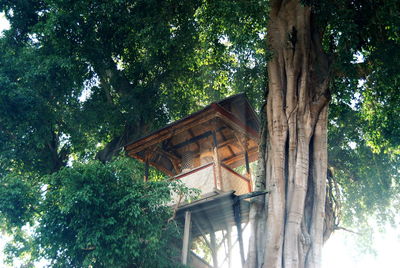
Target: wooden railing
x,y
237,182
204,179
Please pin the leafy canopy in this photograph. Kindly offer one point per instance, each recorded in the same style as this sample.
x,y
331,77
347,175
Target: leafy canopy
x,y
93,215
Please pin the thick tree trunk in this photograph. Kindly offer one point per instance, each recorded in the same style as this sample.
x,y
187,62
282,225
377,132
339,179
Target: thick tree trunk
x,y
296,152
113,82
115,146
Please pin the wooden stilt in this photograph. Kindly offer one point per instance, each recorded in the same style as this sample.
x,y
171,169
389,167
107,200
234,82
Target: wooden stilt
x,y
229,235
238,221
186,238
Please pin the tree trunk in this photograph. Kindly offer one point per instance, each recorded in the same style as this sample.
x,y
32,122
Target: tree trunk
x,y
293,213
113,81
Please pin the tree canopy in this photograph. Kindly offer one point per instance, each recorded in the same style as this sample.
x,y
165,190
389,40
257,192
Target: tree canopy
x,y
80,79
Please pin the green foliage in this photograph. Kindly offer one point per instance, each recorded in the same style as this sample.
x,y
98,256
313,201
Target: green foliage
x,y
34,108
381,111
18,201
362,39
75,75
368,180
97,215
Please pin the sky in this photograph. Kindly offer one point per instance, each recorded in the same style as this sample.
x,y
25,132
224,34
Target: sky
x,y
3,23
340,250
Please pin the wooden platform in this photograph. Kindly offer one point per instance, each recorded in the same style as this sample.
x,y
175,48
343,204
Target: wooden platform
x,y
214,213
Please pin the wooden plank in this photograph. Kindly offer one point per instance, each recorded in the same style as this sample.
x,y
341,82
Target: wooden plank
x,y
252,154
186,238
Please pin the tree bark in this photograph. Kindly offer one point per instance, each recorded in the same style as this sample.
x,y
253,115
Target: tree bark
x,y
113,81
296,150
115,146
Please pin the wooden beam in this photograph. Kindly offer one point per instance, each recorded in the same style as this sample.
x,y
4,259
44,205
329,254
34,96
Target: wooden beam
x,y
238,221
175,160
217,162
148,154
175,128
226,142
229,255
195,139
186,238
168,154
244,142
252,154
190,131
234,122
229,147
189,141
202,233
159,167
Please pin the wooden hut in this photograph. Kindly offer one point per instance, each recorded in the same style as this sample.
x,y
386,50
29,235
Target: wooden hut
x,y
210,150
204,149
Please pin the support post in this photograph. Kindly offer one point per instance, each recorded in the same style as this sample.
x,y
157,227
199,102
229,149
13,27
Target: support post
x,y
218,174
229,234
248,172
146,170
238,221
186,237
246,158
244,142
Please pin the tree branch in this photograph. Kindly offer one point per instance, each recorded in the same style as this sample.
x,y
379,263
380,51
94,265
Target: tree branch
x,y
347,230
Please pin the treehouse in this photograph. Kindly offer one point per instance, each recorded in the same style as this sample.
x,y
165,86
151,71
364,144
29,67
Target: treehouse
x,y
205,149
210,150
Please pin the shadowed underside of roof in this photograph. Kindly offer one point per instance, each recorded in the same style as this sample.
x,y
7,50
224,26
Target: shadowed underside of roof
x,y
232,122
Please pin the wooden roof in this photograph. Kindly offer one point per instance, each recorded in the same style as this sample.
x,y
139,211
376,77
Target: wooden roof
x,y
232,120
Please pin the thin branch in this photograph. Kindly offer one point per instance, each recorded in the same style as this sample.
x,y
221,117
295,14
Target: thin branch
x,y
175,208
347,230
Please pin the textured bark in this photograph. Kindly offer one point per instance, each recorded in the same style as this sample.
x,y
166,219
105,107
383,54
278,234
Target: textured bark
x,y
296,151
58,154
113,81
115,146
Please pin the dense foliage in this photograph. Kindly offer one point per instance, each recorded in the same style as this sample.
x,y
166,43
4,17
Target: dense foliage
x,y
93,215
